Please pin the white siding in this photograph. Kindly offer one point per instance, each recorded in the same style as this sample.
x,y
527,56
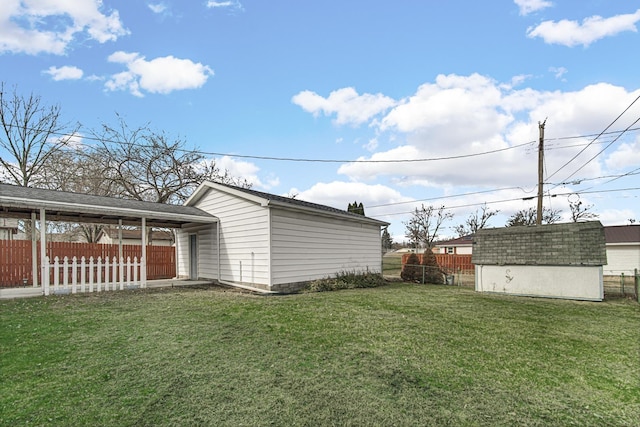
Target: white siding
x,y
244,238
207,253
307,247
182,257
581,283
622,259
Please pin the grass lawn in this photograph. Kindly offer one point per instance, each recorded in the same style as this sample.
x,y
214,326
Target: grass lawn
x,y
395,355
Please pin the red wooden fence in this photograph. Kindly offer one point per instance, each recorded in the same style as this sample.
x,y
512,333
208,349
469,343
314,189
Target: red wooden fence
x,y
448,262
16,268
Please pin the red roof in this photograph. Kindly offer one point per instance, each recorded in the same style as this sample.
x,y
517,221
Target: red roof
x,y
460,241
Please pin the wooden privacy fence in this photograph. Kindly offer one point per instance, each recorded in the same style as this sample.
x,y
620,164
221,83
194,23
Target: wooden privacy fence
x,y
16,256
447,262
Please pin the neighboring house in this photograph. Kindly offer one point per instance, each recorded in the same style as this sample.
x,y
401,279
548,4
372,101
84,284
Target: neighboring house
x,y
556,260
623,250
134,237
8,228
272,242
460,246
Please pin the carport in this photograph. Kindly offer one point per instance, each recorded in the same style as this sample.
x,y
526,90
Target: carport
x,y
40,205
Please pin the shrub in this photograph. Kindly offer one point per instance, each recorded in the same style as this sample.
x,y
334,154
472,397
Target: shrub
x,y
411,270
433,274
347,280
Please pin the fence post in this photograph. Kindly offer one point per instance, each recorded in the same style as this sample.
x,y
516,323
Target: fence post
x,y
74,275
99,272
424,268
637,284
83,274
106,273
91,274
45,275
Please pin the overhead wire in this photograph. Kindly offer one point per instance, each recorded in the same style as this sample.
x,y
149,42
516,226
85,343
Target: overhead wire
x,y
596,138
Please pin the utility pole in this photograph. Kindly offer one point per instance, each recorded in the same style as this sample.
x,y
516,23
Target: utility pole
x,y
540,172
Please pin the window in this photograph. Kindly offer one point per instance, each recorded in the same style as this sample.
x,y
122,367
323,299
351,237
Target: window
x,y
450,250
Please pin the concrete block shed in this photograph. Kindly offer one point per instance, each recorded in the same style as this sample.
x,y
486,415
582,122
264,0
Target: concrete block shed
x,y
557,260
273,243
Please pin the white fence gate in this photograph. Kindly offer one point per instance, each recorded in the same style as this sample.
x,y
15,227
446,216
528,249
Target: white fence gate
x,y
72,276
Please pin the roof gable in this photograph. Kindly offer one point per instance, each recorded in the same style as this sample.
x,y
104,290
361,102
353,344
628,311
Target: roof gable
x,y
268,199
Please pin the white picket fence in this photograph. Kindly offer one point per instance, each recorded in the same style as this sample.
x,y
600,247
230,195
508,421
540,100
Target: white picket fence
x,y
82,275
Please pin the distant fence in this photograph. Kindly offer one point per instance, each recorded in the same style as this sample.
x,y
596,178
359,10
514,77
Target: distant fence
x,y
447,262
16,256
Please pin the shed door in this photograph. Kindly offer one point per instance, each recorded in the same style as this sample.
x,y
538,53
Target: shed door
x,y
193,256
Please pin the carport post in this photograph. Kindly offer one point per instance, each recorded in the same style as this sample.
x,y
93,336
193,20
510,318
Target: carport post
x,y
143,265
43,252
34,251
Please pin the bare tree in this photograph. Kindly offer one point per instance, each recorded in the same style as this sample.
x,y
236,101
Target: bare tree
x,y
422,229
580,212
528,217
476,221
71,169
31,133
145,165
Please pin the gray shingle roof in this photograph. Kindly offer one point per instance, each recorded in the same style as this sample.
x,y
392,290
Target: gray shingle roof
x,y
301,203
20,201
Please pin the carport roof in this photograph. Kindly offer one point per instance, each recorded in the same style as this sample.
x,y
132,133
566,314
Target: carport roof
x,y
20,202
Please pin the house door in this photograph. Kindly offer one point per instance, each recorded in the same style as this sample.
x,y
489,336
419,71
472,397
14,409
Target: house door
x,y
193,256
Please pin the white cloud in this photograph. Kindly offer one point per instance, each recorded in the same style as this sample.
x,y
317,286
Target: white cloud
x,y
339,194
458,116
571,33
64,73
627,155
247,171
558,72
229,4
35,27
348,106
159,75
530,6
157,7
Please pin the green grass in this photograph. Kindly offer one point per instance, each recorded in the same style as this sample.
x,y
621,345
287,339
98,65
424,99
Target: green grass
x,y
392,264
394,355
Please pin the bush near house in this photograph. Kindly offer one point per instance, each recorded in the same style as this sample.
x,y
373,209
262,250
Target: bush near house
x,y
347,280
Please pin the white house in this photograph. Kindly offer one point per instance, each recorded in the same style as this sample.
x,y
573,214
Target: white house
x,y
459,246
273,243
8,228
623,250
111,236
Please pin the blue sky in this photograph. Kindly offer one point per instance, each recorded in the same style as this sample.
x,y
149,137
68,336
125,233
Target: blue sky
x,y
392,104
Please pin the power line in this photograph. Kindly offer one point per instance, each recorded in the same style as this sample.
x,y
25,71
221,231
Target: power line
x,y
601,151
598,136
448,197
514,200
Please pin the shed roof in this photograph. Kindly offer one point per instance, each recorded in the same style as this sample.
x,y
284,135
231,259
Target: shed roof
x,y
20,202
268,199
622,234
